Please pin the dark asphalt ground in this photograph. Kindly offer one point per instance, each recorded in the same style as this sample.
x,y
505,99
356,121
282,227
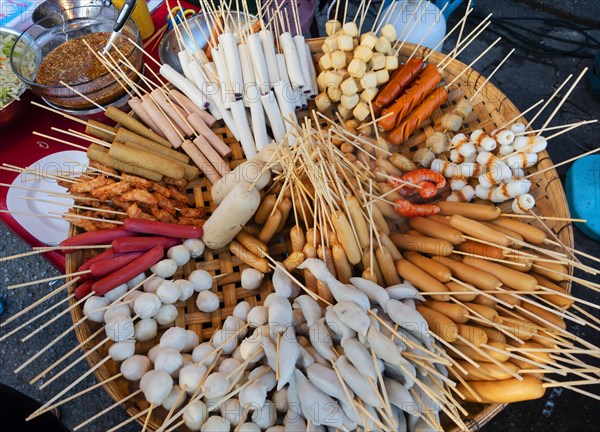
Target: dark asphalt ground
x,y
526,78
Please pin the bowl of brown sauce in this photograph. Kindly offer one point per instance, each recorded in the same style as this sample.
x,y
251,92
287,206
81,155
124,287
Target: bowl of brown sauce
x,y
69,73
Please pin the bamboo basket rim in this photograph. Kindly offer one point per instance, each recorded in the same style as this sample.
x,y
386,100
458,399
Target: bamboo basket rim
x,y
502,109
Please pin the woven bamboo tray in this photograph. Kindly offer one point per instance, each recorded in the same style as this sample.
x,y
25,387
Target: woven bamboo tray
x,y
491,108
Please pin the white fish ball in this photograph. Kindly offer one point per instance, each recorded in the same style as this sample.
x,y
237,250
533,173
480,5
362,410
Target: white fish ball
x,y
136,280
168,360
504,136
93,308
234,324
224,339
157,386
232,411
116,309
229,365
166,314
191,341
195,246
266,416
153,352
201,279
204,353
467,149
116,293
487,143
482,192
175,337
120,351
216,424
518,173
207,301
135,367
251,278
258,316
215,385
186,287
505,150
168,292
164,268
191,376
459,139
173,398
151,285
145,330
241,310
147,305
120,328
131,297
195,415
280,400
180,254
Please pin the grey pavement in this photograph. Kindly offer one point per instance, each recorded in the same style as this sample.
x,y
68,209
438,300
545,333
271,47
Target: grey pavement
x,y
526,78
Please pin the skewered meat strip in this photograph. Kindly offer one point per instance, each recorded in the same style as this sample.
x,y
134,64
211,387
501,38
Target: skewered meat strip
x,y
138,181
104,168
141,196
85,224
133,211
195,213
162,215
112,190
178,184
191,221
164,203
178,196
89,185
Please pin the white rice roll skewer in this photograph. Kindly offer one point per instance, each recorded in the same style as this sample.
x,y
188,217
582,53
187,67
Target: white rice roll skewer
x,y
184,85
223,75
530,144
269,103
268,44
483,141
311,72
257,59
184,62
503,136
482,192
301,50
466,194
292,61
248,78
505,150
522,160
245,134
523,203
291,97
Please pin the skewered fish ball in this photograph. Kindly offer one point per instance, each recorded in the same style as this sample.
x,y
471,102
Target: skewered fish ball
x,y
334,93
389,31
363,53
186,287
383,76
241,310
94,308
195,246
157,386
338,60
195,415
249,427
377,61
135,281
251,278
164,268
191,341
322,102
168,292
232,411
173,398
180,254
135,367
216,424
349,101
325,61
451,121
191,376
437,142
120,328
215,385
147,305
201,279
168,360
131,297
153,352
258,316
204,353
207,301
145,330
223,339
361,111
175,337
166,314
116,293
463,108
518,128
151,285
120,351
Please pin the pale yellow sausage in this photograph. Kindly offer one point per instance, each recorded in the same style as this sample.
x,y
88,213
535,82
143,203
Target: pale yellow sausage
x,y
505,391
389,244
475,248
421,279
260,264
251,243
422,244
487,312
265,209
478,230
486,371
293,260
285,206
553,271
494,335
480,212
435,269
270,227
372,266
437,230
456,287
509,277
297,238
346,236
386,264
358,220
343,267
477,356
380,221
455,312
439,324
559,300
327,258
538,315
469,274
508,232
529,233
473,334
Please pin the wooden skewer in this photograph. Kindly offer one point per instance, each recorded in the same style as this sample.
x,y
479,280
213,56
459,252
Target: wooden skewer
x,y
40,301
95,209
148,417
491,75
129,420
571,383
551,218
39,281
75,216
575,389
80,147
104,411
517,117
470,65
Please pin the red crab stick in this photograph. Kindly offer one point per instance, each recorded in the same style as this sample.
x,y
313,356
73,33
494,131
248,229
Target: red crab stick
x,y
142,244
96,237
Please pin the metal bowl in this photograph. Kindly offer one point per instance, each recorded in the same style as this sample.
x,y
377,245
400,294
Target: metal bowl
x,y
169,46
60,8
14,109
39,40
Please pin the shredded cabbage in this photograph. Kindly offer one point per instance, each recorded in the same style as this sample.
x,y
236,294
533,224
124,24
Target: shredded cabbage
x,y
10,85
